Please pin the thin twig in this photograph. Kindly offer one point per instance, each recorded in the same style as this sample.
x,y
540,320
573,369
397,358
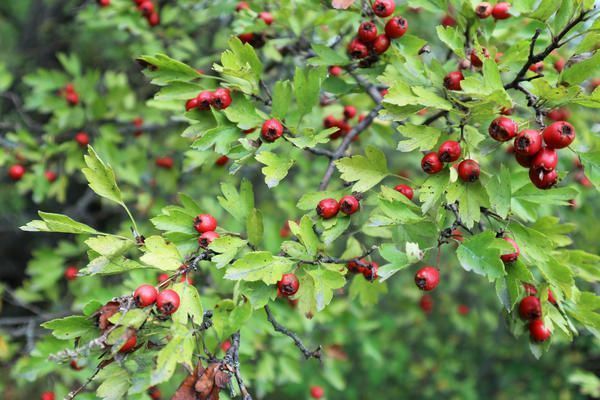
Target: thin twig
x,y
297,341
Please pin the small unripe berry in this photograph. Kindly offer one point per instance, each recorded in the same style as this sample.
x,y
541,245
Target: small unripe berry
x,y
546,159
528,142
71,272
129,344
381,44
468,170
316,392
207,238
501,10
543,179
384,8
427,278
82,139
405,190
511,257
452,80
357,49
530,308
167,302
367,32
266,16
559,135
328,208
205,223
449,151
271,130
538,331
205,99
483,10
16,172
431,163
396,27
221,98
349,112
503,129
145,295
288,285
349,205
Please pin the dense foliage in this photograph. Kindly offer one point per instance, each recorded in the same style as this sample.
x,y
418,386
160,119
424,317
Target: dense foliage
x,y
300,199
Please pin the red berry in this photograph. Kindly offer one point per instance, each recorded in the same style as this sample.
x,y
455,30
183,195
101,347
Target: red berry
x,y
448,20
396,27
511,257
349,205
207,238
288,285
501,10
145,295
545,159
559,135
164,162
463,309
551,297
104,3
483,10
449,151
138,122
153,19
357,49
559,114
316,392
405,190
246,37
167,302
266,16
559,64
50,176
72,98
537,67
221,99
47,396
452,80
381,44
367,32
205,99
524,161
384,8
226,345
528,142
191,104
74,366
271,130
329,121
146,7
82,139
16,172
475,60
426,303
357,266
242,5
370,272
205,223
334,70
349,112
154,393
162,277
222,161
530,308
503,129
468,170
543,179
129,344
427,278
538,331
328,208
431,163
529,289
71,273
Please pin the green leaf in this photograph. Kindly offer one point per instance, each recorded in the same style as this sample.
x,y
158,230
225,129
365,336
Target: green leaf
x,y
471,197
396,258
258,293
580,71
57,223
366,172
432,190
191,306
454,38
481,254
306,234
226,248
499,191
134,318
71,327
254,227
101,177
282,98
259,266
331,233
242,112
179,350
240,67
115,382
165,69
325,55
276,168
591,165
558,274
307,87
238,204
160,254
326,281
423,138
367,292
545,10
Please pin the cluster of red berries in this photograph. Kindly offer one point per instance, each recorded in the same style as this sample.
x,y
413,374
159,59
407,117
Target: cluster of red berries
x,y
206,224
288,285
220,99
271,130
70,94
529,148
146,7
367,41
367,268
449,151
530,309
329,208
167,301
427,278
255,40
343,125
499,11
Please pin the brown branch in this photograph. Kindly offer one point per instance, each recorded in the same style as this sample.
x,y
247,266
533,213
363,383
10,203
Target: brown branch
x,y
297,341
232,358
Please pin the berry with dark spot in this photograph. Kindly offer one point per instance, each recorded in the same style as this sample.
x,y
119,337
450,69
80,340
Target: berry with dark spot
x,y
431,163
559,135
468,170
349,205
427,278
288,285
167,302
328,208
271,130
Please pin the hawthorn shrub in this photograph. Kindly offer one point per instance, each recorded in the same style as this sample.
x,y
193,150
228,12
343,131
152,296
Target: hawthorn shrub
x,y
300,199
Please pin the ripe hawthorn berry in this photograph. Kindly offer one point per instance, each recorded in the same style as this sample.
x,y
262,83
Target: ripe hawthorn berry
x,y
381,44
222,161
129,345
463,309
524,161
357,266
538,331
316,392
207,238
334,70
167,302
191,104
349,205
146,8
329,121
153,19
145,295
205,223
448,20
530,290
72,98
528,142
47,396
357,49
503,129
452,80
103,3
266,16
501,10
154,393
468,170
367,32
384,8
559,135
538,67
530,308
405,190
349,112
71,272
426,303
396,27
162,277
512,256
205,99
226,345
449,151
370,272
82,138
328,208
559,64
546,159
483,10
50,176
16,172
271,130
427,278
242,5
559,114
431,163
247,37
221,98
475,60
288,285
543,179
551,297
164,162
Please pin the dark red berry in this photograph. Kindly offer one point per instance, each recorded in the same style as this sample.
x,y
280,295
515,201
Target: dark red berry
x,y
483,10
205,223
528,142
468,170
271,130
328,208
559,64
349,112
145,295
448,20
221,98
266,16
559,114
501,10
207,238
427,278
367,32
82,139
503,129
242,5
384,8
205,99
167,302
551,297
16,172
357,266
463,309
543,179
524,161
191,104
104,3
316,392
530,308
72,98
71,273
381,44
222,161
405,190
559,135
512,256
538,331
154,393
288,285
452,80
449,151
246,37
129,344
349,205
153,19
396,27
370,272
164,162
545,159
147,7
357,49
475,60
431,163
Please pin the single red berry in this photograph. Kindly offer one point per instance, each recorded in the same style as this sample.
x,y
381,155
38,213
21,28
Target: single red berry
x,y
551,297
47,396
530,290
316,392
427,278
463,309
468,170
71,273
559,64
426,303
431,163
74,366
405,190
162,277
501,10
559,114
104,3
559,135
334,70
271,130
367,32
381,44
384,8
82,139
50,176
503,129
452,80
483,10
222,161
145,295
147,7
285,230
242,5
396,27
524,161
226,345
349,112
72,98
288,285
530,308
357,49
448,20
546,159
528,142
543,179
266,16
16,172
221,98
246,37
511,257
537,67
207,238
205,99
191,104
205,223
449,151
475,60
370,272
167,302
154,393
164,162
129,344
538,331
328,208
329,121
349,205
153,19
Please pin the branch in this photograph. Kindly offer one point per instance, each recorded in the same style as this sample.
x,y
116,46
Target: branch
x,y
233,359
297,341
458,220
